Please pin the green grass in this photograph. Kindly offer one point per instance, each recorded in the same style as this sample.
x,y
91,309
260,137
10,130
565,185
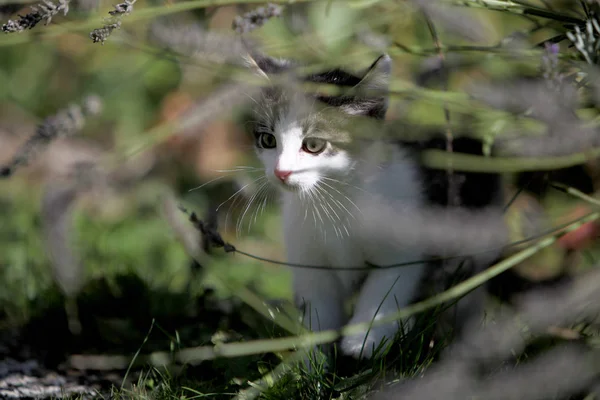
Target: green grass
x,y
136,273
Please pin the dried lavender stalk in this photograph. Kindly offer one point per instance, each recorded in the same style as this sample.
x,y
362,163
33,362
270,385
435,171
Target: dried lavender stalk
x,y
561,371
256,18
569,140
552,102
101,34
113,22
65,123
550,66
40,12
193,41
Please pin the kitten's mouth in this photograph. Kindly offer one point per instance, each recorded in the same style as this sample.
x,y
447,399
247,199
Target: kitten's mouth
x,y
287,185
290,187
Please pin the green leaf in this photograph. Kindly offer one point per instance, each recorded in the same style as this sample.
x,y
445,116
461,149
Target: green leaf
x,y
333,24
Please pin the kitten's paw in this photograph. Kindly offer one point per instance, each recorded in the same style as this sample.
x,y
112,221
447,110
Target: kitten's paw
x,y
356,346
359,347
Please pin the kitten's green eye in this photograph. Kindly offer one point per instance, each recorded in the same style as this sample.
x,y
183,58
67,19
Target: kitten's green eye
x,y
267,141
314,145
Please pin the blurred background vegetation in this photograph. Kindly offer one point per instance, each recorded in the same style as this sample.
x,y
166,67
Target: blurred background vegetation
x,y
161,137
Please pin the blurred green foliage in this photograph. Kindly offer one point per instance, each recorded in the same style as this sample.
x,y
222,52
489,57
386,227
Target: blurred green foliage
x,y
133,262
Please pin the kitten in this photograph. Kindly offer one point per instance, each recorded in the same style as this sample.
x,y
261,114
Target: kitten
x,y
328,175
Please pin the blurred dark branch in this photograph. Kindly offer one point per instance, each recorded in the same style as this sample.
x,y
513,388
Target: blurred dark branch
x,y
564,370
428,230
186,234
209,233
65,123
58,201
453,196
482,228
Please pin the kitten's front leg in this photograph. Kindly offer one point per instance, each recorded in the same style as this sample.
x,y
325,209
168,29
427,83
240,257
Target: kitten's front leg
x,y
317,293
384,292
319,296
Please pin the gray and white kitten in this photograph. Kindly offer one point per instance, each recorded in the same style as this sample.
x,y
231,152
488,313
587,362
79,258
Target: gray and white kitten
x,y
328,176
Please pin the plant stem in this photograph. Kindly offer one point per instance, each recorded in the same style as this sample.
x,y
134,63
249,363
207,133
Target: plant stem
x,y
140,14
268,380
470,163
312,339
517,8
238,349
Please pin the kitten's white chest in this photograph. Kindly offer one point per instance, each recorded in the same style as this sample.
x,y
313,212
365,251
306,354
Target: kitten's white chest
x,y
324,238
329,231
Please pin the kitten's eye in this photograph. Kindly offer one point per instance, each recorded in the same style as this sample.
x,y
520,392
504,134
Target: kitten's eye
x,y
314,145
267,141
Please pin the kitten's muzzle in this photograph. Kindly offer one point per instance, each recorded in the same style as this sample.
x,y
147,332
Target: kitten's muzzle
x,y
282,175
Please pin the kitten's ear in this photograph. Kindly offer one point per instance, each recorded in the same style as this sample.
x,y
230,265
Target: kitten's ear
x,y
377,76
264,65
375,83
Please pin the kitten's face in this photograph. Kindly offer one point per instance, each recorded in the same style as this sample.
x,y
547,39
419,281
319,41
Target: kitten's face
x,y
301,140
297,144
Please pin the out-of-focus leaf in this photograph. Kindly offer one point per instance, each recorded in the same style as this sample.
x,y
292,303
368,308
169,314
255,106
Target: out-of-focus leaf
x,y
333,24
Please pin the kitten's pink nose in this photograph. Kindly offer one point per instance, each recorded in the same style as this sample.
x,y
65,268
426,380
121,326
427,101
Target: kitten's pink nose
x,y
282,175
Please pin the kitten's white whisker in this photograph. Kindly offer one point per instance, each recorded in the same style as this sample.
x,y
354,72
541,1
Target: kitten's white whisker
x,y
239,169
265,201
207,183
228,171
232,207
252,98
346,184
328,205
254,214
324,191
249,202
240,218
236,198
314,203
341,207
346,229
240,190
339,204
342,194
322,201
311,203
